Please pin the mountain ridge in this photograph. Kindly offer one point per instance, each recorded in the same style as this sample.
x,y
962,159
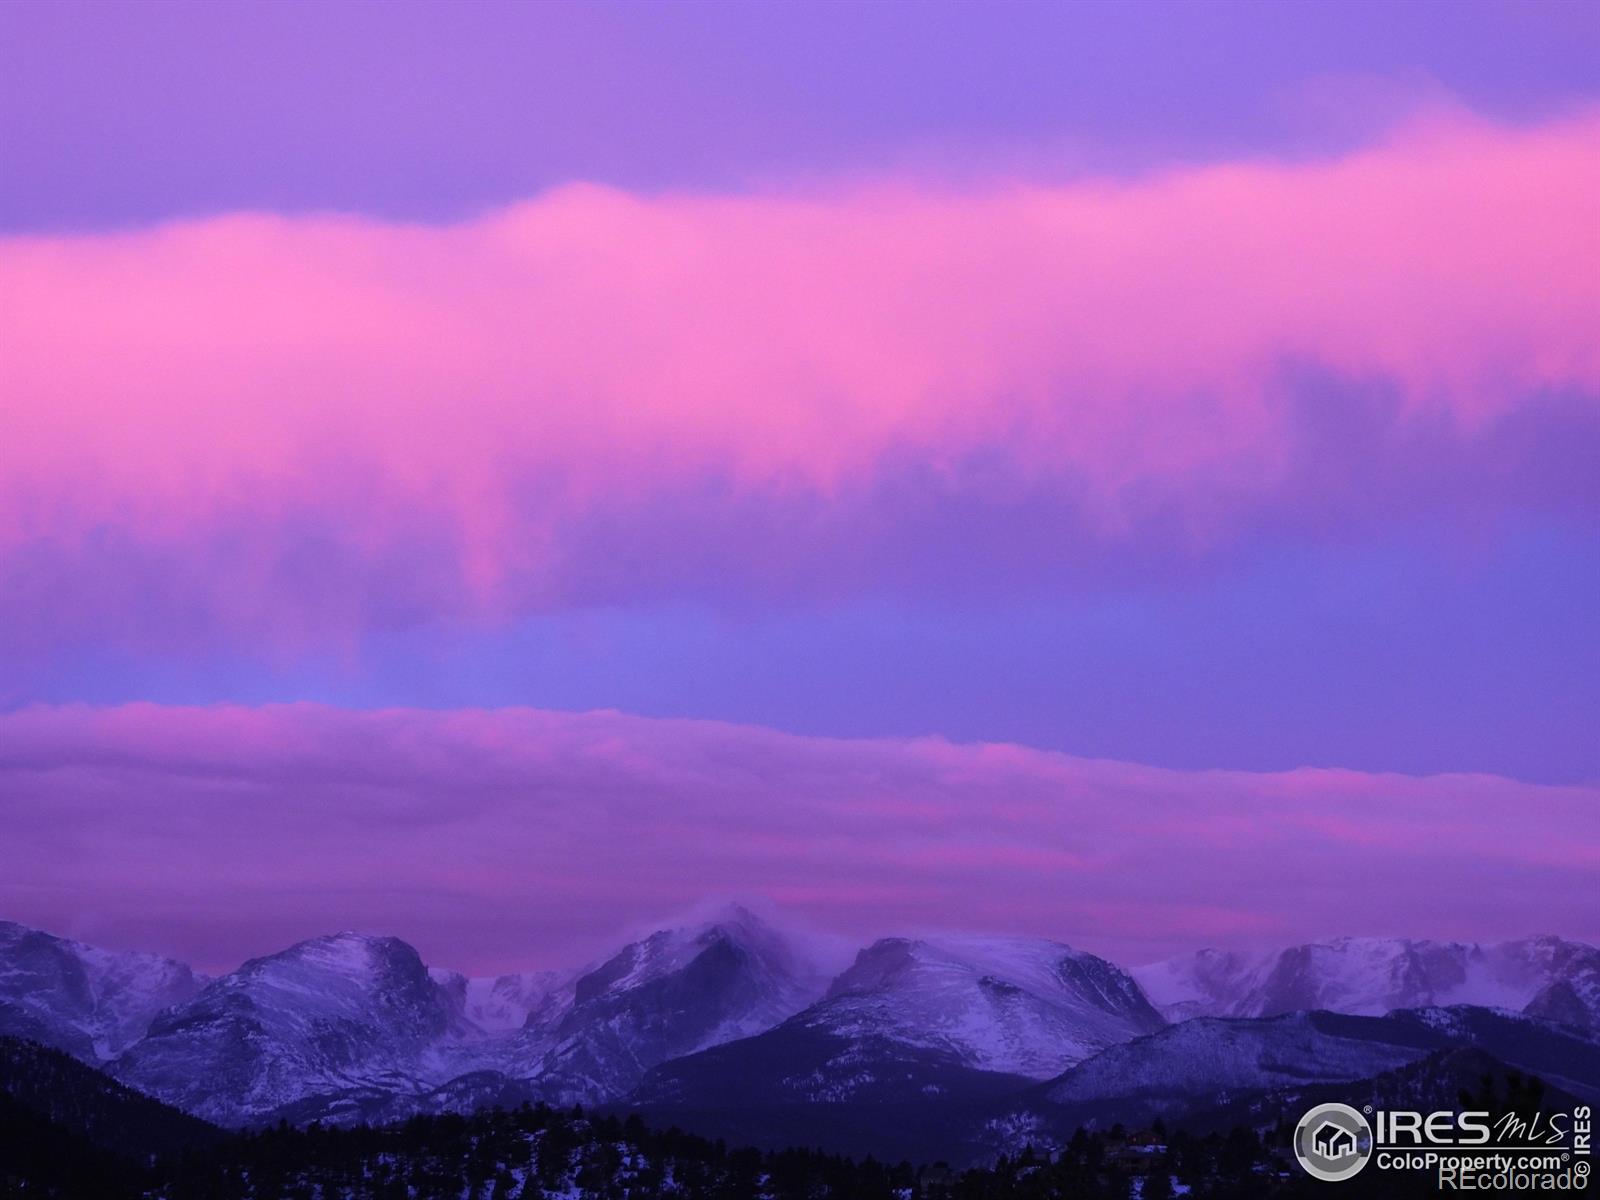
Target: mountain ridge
x,y
349,1028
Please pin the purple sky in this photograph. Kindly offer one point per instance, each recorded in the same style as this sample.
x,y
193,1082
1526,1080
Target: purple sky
x,y
118,111
1201,388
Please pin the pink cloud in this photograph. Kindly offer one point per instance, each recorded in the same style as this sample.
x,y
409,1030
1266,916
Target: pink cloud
x,y
197,396
503,838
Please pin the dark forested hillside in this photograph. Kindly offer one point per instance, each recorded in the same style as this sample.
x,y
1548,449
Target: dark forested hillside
x,y
538,1153
90,1105
69,1133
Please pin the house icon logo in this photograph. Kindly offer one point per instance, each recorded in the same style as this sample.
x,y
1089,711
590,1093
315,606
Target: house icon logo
x,y
1333,1142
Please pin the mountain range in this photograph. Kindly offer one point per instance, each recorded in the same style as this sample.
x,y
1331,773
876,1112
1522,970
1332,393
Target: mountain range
x,y
934,1046
1542,976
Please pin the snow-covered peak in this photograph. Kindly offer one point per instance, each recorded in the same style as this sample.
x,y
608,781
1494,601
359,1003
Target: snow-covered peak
x,y
333,1012
678,990
334,959
87,1000
1026,962
1025,1006
669,951
354,977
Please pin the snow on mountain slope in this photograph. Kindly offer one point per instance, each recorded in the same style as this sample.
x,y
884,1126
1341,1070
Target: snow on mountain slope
x,y
1209,1058
914,1026
504,1003
1568,975
346,1026
350,1024
82,999
333,1012
673,993
1209,1055
1546,976
1018,1005
1216,1073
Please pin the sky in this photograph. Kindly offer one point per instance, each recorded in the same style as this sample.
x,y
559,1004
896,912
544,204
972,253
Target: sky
x,y
494,474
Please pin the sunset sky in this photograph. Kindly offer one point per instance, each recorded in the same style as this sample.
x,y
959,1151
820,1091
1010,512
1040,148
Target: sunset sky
x,y
497,474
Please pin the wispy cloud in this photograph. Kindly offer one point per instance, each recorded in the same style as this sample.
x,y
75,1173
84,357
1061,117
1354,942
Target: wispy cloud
x,y
297,428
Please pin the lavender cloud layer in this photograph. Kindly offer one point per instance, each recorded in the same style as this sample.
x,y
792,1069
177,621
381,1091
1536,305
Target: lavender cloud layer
x,y
488,837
